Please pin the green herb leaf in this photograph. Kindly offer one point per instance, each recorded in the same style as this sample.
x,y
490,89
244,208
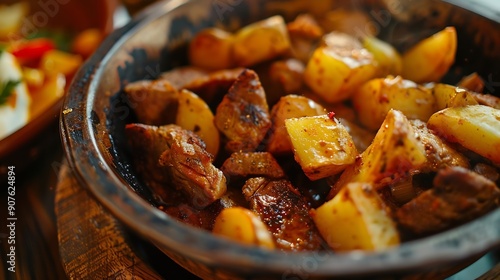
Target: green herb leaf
x,y
6,90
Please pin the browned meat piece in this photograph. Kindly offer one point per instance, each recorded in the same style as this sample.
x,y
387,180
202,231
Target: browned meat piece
x,y
285,213
200,218
472,82
172,156
305,26
487,171
305,33
439,153
288,75
181,76
487,99
256,164
154,102
243,115
458,195
190,167
214,86
147,143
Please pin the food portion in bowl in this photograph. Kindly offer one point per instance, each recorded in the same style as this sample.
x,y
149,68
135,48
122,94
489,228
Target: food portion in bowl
x,y
298,137
36,66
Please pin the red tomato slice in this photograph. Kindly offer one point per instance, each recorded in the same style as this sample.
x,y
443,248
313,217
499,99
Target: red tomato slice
x,y
32,49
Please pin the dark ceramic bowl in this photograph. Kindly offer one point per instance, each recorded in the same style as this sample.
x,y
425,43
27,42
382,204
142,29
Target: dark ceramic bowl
x,y
95,113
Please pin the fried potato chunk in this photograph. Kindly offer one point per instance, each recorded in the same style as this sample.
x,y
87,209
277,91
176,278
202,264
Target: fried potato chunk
x,y
389,61
261,41
439,153
195,115
431,58
375,98
356,219
452,96
289,106
476,127
321,145
336,69
395,152
212,49
244,226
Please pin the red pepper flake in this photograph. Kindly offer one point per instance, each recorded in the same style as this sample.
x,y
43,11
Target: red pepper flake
x,y
331,115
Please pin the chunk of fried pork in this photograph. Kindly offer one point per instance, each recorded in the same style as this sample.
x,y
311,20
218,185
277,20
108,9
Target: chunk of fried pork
x,y
459,195
154,102
177,157
243,115
285,213
256,164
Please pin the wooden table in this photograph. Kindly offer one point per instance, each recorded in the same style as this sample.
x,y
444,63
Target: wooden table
x,y
94,245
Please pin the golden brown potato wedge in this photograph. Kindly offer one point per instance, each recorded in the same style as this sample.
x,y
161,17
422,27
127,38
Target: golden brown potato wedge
x,y
452,96
439,153
389,61
395,152
212,49
289,106
321,145
195,115
338,67
242,225
356,219
261,41
476,127
375,98
353,22
431,58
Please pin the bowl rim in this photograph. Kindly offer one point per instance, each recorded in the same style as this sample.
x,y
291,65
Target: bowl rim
x,y
88,163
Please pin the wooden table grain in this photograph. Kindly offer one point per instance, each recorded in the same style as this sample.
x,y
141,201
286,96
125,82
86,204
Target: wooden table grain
x,y
36,245
94,245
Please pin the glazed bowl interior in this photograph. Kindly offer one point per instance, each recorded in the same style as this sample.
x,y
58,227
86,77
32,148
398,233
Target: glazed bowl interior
x,y
95,113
